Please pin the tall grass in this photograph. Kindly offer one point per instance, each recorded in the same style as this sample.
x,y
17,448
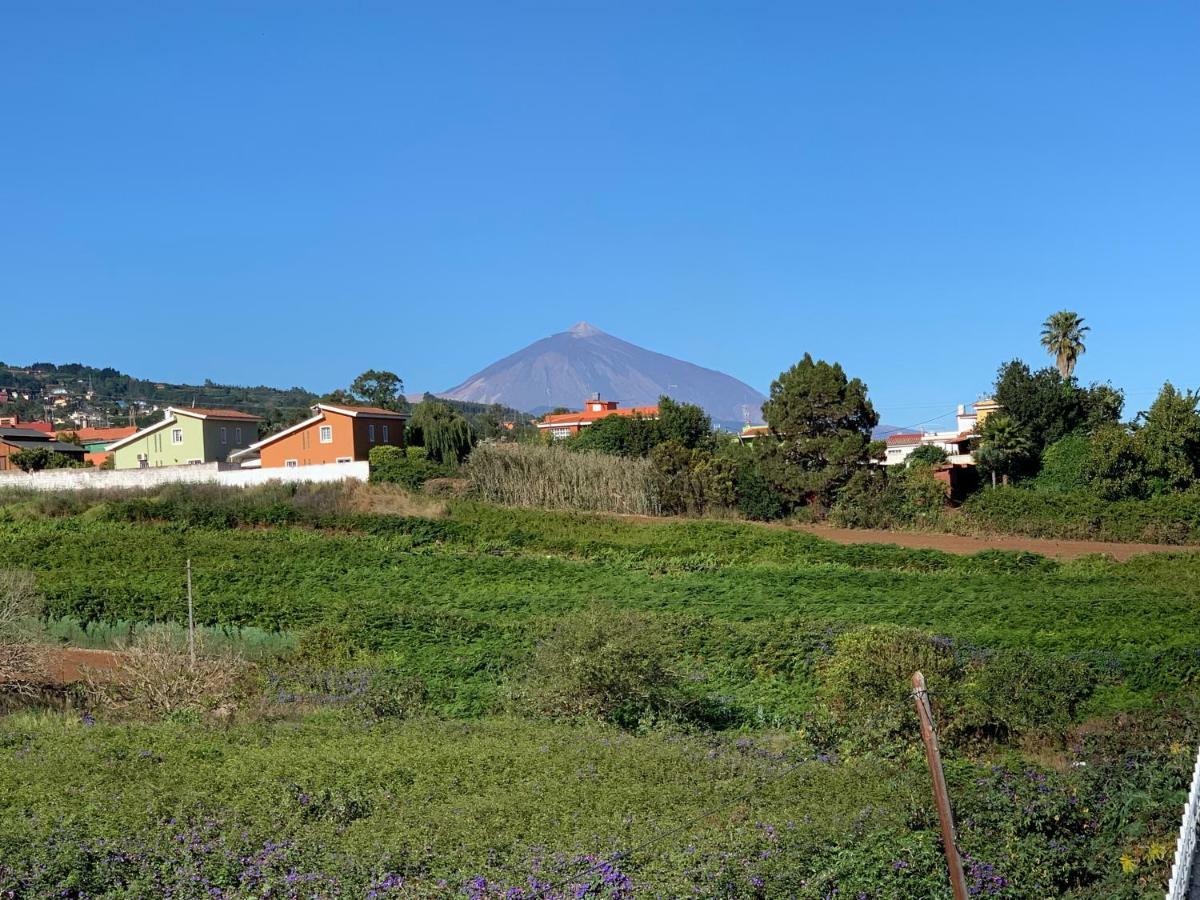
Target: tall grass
x,y
556,478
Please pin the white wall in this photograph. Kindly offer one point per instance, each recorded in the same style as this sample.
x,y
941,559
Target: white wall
x,y
208,473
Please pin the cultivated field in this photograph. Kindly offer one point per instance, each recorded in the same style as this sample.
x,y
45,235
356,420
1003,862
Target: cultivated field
x,y
492,702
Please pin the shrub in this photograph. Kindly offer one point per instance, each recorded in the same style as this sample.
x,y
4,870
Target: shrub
x,y
21,662
756,499
927,455
891,498
1064,463
1115,468
1011,693
867,682
390,693
394,465
155,675
607,665
557,478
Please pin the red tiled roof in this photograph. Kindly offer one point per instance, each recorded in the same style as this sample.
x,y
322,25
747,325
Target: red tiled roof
x,y
911,438
215,413
589,416
91,435
364,410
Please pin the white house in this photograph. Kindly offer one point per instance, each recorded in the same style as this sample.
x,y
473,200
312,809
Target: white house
x,y
956,443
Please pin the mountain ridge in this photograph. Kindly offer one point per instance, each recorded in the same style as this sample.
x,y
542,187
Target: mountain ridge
x,y
569,366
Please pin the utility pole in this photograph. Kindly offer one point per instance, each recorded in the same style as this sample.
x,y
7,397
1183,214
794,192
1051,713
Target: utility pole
x,y
191,617
941,798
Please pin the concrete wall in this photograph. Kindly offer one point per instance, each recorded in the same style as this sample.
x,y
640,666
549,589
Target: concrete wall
x,y
206,473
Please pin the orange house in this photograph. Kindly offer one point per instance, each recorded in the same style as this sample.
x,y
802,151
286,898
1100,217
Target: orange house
x,y
335,433
561,425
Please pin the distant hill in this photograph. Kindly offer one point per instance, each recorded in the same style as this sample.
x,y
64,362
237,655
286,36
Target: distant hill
x,y
566,368
107,394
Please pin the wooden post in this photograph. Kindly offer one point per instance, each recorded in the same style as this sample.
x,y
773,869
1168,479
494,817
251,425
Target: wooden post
x,y
941,798
191,618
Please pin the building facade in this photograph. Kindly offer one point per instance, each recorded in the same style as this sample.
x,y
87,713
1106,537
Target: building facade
x,y
186,437
335,433
561,425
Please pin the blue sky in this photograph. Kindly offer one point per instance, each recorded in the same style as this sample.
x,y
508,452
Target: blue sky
x,y
291,193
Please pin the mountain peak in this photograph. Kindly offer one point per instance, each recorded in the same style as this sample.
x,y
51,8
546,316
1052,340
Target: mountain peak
x,y
583,329
565,368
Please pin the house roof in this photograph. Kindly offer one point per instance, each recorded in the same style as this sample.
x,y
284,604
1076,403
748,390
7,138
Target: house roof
x,y
23,434
587,417
201,412
909,438
319,416
92,435
56,446
220,415
354,410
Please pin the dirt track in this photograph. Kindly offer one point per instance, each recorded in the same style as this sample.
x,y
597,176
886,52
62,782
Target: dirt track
x,y
67,664
953,543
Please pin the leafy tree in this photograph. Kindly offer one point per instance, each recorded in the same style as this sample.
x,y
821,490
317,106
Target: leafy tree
x,y
34,459
927,455
379,388
1049,407
1170,438
1062,336
822,421
442,430
685,423
1115,468
1004,448
633,436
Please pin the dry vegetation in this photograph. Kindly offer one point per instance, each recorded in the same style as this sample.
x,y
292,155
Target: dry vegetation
x,y
22,661
156,675
553,477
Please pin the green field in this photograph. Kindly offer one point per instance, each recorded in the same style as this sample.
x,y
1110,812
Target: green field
x,y
473,790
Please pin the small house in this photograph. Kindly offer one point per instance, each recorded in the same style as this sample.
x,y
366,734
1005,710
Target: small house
x,y
186,436
335,433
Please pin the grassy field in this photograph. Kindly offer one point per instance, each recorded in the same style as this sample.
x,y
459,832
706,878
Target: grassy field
x,y
472,790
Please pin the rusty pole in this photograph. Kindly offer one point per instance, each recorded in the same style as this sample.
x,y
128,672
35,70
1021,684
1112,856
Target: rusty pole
x,y
958,881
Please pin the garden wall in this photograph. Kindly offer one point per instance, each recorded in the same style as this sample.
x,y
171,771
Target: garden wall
x,y
206,473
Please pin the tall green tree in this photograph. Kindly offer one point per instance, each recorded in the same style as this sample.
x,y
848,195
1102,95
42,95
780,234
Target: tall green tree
x,y
377,387
1004,449
1062,336
686,423
442,430
822,423
1170,438
1049,407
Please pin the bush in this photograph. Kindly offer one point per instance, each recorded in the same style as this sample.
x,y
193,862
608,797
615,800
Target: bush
x,y
867,682
892,497
607,665
756,499
1011,693
395,465
1063,464
155,675
1167,518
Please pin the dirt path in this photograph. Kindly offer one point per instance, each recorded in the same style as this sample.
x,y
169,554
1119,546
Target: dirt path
x,y
67,664
953,543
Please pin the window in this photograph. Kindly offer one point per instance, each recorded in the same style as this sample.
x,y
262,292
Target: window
x,y
371,432
385,434
176,435
290,463
326,434
224,435
344,459
237,434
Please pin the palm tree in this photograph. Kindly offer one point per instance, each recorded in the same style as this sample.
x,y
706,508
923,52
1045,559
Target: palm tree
x,y
1062,336
1004,448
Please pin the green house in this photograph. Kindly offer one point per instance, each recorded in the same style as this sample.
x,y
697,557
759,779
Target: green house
x,y
187,436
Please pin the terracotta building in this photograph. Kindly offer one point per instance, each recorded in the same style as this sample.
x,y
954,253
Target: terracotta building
x,y
335,433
